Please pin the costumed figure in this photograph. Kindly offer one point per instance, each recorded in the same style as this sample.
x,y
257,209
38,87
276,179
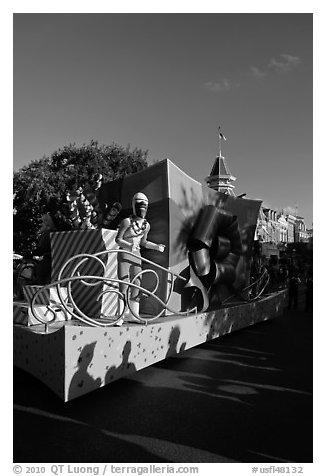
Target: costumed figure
x,y
132,234
110,216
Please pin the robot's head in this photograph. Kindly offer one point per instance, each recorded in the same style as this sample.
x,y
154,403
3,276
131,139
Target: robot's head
x,y
140,204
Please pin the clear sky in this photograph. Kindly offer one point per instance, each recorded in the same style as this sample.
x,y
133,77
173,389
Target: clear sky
x,y
165,82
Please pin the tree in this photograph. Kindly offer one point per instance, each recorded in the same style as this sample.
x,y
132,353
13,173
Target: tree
x,y
42,185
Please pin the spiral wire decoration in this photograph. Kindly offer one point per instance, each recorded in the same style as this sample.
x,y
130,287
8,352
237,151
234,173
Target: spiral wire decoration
x,y
69,306
253,291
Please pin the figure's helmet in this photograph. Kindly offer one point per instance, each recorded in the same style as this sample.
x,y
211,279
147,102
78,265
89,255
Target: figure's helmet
x,y
140,204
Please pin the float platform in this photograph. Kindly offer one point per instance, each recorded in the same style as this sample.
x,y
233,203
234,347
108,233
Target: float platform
x,y
73,359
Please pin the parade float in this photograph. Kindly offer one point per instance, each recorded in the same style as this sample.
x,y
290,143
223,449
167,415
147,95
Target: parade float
x,y
191,282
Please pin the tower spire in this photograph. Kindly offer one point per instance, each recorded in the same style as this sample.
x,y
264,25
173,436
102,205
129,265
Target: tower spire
x,y
220,178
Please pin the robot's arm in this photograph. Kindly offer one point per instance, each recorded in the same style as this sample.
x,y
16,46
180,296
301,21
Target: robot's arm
x,y
149,244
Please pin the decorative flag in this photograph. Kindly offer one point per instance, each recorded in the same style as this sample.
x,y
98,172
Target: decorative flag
x,y
222,136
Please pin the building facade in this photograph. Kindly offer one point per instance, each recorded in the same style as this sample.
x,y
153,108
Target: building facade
x,y
268,226
277,228
300,231
283,228
291,228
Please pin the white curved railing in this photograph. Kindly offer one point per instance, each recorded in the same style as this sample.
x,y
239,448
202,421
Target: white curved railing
x,y
70,307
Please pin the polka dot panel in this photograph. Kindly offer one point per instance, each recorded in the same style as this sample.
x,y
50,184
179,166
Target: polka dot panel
x,y
77,359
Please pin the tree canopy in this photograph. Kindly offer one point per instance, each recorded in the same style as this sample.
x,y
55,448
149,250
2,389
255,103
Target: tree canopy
x,y
42,185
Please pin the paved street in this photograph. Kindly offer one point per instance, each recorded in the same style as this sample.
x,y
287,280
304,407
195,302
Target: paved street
x,y
245,397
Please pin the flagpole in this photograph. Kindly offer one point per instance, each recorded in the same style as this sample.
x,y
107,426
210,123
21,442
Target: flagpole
x,y
219,141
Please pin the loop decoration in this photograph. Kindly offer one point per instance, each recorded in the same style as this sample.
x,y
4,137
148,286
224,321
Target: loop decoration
x,y
214,248
71,273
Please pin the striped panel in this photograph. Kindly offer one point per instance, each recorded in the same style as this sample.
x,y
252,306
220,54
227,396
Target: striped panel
x,y
67,244
46,296
110,300
42,298
85,296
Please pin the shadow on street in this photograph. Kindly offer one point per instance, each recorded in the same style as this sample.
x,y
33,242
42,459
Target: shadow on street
x,y
244,397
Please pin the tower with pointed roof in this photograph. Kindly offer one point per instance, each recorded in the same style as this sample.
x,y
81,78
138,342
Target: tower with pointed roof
x,y
220,178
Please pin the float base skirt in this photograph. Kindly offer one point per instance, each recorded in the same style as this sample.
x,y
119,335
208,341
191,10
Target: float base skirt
x,y
74,359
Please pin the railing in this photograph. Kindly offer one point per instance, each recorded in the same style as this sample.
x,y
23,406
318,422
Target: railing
x,y
68,303
70,308
254,290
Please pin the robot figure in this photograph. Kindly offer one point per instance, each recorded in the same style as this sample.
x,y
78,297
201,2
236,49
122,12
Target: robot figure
x,y
132,234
